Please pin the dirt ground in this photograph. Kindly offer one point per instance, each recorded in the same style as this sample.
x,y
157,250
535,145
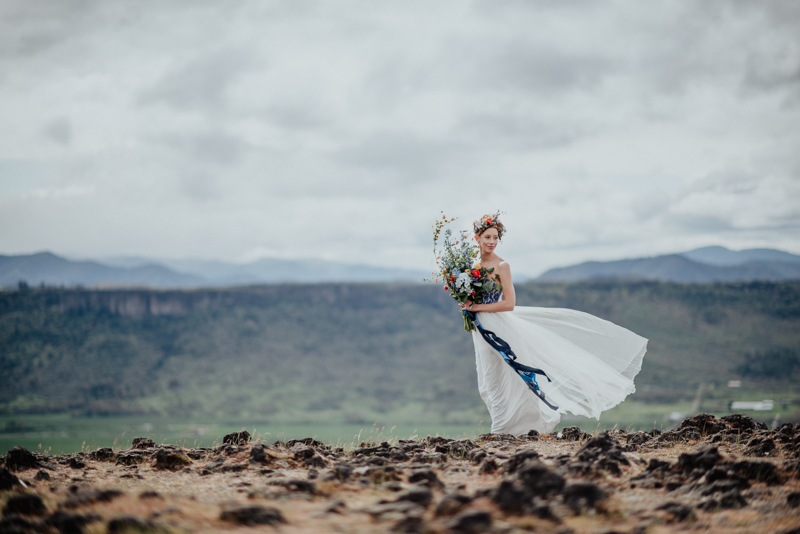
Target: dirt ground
x,y
710,475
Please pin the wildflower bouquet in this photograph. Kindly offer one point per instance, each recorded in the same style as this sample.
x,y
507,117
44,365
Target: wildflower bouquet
x,y
456,267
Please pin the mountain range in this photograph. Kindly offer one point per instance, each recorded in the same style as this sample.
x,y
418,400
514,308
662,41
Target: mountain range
x,y
49,269
708,264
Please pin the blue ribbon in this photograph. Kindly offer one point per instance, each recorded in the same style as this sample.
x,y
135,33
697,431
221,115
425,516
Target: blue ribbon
x,y
528,374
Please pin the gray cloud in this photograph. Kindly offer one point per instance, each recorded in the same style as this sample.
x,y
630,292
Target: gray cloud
x,y
210,147
59,130
413,158
603,131
201,83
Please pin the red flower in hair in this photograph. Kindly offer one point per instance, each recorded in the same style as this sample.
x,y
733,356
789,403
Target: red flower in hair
x,y
489,220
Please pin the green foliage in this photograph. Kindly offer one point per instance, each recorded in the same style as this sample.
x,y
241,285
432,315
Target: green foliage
x,y
776,363
333,352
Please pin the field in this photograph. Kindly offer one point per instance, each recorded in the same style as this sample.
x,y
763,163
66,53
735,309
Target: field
x,y
86,367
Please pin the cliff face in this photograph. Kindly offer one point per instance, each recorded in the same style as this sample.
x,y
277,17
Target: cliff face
x,y
136,304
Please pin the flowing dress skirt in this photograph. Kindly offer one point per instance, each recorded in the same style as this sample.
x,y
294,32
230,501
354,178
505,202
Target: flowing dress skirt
x,y
591,362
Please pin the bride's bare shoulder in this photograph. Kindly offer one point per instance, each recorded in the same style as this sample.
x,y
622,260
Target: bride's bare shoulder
x,y
503,266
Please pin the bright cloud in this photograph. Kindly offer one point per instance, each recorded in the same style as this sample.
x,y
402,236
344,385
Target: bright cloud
x,y
340,130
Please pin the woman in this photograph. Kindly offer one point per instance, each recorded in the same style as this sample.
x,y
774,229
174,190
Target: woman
x,y
590,361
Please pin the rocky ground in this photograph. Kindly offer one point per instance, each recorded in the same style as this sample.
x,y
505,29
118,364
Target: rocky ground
x,y
727,475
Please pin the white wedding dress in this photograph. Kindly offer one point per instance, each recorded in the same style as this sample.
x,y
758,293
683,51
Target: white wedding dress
x,y
591,362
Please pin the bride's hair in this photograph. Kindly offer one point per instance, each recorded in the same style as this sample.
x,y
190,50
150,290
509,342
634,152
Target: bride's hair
x,y
490,220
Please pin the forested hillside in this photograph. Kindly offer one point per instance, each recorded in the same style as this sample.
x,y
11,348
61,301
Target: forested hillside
x,y
351,352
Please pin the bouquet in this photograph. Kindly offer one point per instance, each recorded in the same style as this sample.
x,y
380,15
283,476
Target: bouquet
x,y
463,278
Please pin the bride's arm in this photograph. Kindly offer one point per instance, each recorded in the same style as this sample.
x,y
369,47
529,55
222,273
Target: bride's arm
x,y
509,297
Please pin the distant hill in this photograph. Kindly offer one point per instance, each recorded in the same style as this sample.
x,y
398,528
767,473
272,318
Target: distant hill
x,y
349,352
709,264
53,270
724,256
272,271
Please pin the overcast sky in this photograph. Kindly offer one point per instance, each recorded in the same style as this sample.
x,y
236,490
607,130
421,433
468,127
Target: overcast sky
x,y
339,130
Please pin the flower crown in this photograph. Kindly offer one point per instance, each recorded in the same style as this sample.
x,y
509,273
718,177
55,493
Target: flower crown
x,y
489,221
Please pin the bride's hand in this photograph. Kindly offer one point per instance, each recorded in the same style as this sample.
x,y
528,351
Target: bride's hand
x,y
466,305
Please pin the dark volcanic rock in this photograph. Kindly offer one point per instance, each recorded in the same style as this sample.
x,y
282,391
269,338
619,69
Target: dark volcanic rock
x,y
471,522
452,504
601,452
253,515
410,524
315,461
724,486
533,479
342,470
573,433
171,460
237,438
489,465
311,442
761,471
731,499
476,456
540,480
511,498
296,484
26,504
7,479
382,473
698,463
142,443
743,423
258,454
582,495
421,496
653,476
67,523
89,496
16,524
103,454
637,438
516,461
77,463
20,459
303,452
42,475
133,458
397,454
726,473
793,499
704,423
425,476
760,446
130,523
460,448
681,512
433,458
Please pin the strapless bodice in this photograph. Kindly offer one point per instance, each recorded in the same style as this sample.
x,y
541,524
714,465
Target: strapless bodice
x,y
491,297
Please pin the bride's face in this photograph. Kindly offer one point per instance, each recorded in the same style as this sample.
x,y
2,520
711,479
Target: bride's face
x,y
488,240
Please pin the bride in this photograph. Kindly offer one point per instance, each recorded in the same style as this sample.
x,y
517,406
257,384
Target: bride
x,y
591,361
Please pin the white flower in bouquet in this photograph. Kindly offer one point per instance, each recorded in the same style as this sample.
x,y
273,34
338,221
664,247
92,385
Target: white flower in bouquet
x,y
463,282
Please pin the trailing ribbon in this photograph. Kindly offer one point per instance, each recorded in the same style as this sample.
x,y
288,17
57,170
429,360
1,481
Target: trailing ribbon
x,y
528,374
